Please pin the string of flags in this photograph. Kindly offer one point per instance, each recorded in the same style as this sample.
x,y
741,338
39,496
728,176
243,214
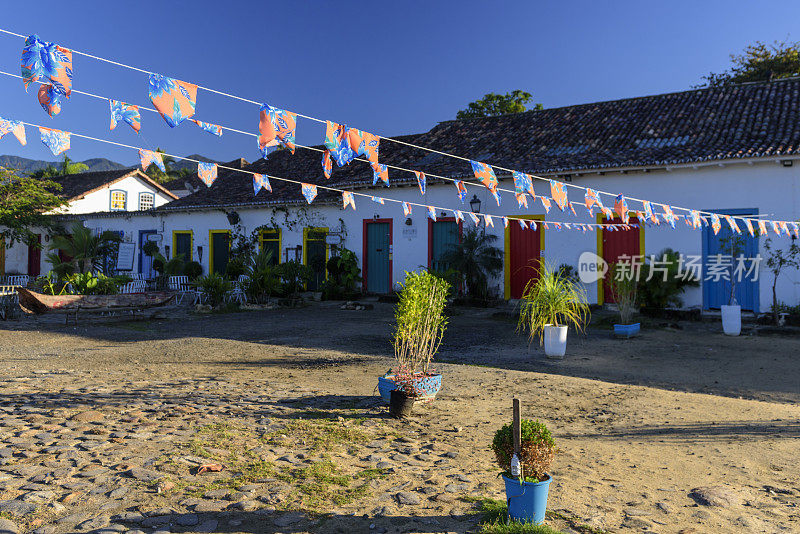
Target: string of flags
x,y
51,66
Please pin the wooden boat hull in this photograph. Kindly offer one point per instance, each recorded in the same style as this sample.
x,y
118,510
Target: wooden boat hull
x,y
40,303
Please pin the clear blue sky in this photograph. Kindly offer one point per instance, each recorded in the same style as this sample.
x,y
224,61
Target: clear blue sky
x,y
385,67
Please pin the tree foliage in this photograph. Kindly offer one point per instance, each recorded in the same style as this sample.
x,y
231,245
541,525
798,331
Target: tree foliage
x,y
476,259
67,167
759,62
169,173
88,251
493,105
23,204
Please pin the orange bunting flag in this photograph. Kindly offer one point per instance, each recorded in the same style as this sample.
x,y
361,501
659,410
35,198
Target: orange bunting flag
x,y
47,62
485,174
459,216
648,212
592,199
732,223
776,227
462,190
276,126
488,220
505,222
522,200
348,200
207,172
432,213
762,227
695,216
420,180
523,184
522,224
609,214
261,181
669,216
749,226
15,127
379,172
406,209
378,200
364,144
621,208
545,203
149,157
56,140
559,194
474,217
309,191
175,100
715,224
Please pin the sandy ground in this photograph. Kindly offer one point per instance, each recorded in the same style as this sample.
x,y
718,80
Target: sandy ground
x,y
103,426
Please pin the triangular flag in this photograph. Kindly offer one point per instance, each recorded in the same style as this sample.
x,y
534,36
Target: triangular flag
x,y
558,194
47,62
732,223
214,129
276,126
505,222
762,227
496,195
522,224
261,181
474,218
462,190
337,144
522,200
749,226
432,213
379,200
348,200
621,207
420,181
485,174
545,203
309,191
523,184
592,199
15,127
207,172
120,111
669,216
406,209
459,216
175,100
380,172
364,144
148,157
715,223
56,140
488,220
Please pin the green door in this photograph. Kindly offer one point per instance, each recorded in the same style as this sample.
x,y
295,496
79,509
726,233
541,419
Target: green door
x,y
444,234
379,276
183,246
221,249
316,257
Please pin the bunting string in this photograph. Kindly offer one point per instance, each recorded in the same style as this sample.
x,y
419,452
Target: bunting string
x,y
625,212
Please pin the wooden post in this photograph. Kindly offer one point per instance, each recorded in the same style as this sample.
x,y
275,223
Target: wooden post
x,y
516,425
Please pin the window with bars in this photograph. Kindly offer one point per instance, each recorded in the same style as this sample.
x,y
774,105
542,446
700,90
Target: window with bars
x,y
118,200
146,201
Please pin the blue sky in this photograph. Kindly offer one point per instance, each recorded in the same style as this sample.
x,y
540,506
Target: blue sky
x,y
386,67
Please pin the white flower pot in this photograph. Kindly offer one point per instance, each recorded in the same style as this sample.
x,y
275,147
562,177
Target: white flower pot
x,y
731,320
555,341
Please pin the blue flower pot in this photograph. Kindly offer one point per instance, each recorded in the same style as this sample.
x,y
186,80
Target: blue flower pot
x,y
430,385
527,501
626,330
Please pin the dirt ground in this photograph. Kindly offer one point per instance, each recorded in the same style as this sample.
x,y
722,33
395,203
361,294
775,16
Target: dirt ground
x,y
103,426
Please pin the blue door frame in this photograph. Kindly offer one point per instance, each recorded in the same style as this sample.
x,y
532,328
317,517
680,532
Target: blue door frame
x,y
142,240
716,293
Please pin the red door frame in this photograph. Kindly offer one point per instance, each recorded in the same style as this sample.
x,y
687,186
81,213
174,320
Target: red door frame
x,y
364,265
430,234
35,253
603,295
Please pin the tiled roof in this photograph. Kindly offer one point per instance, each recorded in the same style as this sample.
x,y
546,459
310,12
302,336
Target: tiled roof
x,y
719,123
74,186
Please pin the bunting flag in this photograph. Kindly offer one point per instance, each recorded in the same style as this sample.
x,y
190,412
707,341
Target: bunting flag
x,y
648,212
732,223
715,223
496,194
487,219
15,127
762,227
459,216
120,111
56,140
546,204
559,194
208,127
522,200
776,228
696,221
474,217
749,226
609,214
592,199
406,209
149,157
505,222
261,181
379,200
364,144
485,174
276,126
380,172
522,224
572,208
207,172
533,224
785,227
348,199
462,190
621,208
51,65
796,229
432,213
545,225
669,216
420,181
523,184
327,165
337,144
309,191
557,225
175,100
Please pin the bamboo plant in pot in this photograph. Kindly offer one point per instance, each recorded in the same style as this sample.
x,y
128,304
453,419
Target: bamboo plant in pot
x,y
548,306
421,323
623,288
733,246
526,493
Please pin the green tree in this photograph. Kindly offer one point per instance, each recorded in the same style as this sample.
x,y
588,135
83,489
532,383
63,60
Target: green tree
x,y
23,204
87,250
475,258
169,172
493,105
67,167
759,62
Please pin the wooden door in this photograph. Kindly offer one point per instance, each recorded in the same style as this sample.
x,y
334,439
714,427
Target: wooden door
x,y
442,236
716,292
377,255
220,251
524,257
618,244
35,257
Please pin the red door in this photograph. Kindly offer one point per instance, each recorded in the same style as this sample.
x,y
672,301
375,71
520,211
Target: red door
x,y
524,255
35,257
618,243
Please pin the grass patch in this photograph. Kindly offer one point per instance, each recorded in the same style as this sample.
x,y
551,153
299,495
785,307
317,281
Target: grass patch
x,y
494,520
319,435
321,484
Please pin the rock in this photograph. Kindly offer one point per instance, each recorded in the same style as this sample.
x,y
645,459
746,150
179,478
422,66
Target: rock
x,y
129,517
456,488
635,512
635,522
8,527
118,493
211,506
187,520
144,475
210,525
245,506
94,523
288,519
444,497
715,496
18,508
664,507
407,497
89,416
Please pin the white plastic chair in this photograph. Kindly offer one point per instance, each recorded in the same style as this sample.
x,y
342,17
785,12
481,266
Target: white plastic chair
x,y
18,280
237,293
128,288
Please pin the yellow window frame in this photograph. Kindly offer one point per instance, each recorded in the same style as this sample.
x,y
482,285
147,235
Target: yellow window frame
x,y
262,239
307,231
507,250
175,234
600,220
211,246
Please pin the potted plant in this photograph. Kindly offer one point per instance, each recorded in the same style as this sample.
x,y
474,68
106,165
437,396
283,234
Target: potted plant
x,y
526,492
623,288
777,259
547,307
420,326
733,246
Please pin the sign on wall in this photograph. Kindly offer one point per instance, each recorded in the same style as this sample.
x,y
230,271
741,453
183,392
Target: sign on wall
x,y
125,256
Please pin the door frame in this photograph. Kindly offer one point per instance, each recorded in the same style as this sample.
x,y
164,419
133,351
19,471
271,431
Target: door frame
x,y
364,263
262,240
142,234
507,250
704,248
175,234
600,230
38,265
430,234
211,247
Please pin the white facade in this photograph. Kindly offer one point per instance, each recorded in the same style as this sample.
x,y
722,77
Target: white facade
x,y
766,187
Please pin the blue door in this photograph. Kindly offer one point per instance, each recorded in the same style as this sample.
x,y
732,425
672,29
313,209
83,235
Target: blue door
x,y
145,261
378,259
717,292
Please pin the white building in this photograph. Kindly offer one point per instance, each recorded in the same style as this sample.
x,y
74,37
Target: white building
x,y
728,150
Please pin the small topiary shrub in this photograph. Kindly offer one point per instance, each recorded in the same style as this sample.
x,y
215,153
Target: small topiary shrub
x,y
537,452
193,270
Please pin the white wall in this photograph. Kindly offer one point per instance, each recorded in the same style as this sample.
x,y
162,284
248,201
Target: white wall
x,y
100,201
766,186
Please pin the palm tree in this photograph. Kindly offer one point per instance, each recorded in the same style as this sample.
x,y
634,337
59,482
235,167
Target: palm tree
x,y
67,167
86,250
475,258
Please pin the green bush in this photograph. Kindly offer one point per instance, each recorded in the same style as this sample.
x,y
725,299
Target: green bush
x,y
263,281
193,270
537,450
658,292
214,287
552,299
90,284
343,276
236,267
294,275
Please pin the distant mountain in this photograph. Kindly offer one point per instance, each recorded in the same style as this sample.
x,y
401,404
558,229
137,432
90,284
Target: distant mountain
x,y
183,164
27,166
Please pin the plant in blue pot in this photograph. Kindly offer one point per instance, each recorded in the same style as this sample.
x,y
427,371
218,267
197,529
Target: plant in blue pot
x,y
526,478
623,284
420,325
